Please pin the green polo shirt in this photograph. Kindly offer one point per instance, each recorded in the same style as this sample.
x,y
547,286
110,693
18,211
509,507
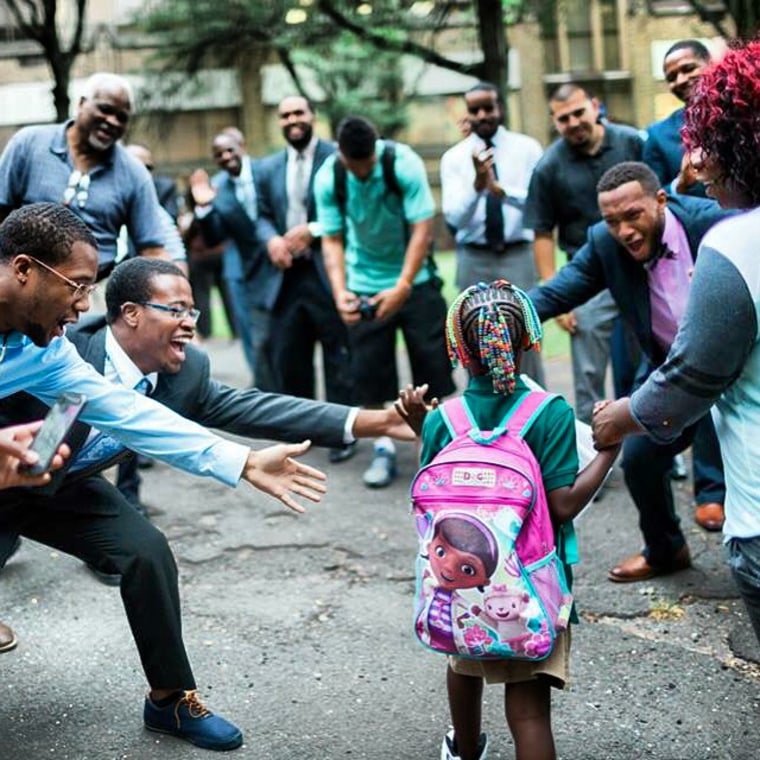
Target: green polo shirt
x,y
375,226
551,437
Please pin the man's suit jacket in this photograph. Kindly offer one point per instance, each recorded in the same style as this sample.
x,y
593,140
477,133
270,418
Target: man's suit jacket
x,y
228,222
192,393
603,263
272,194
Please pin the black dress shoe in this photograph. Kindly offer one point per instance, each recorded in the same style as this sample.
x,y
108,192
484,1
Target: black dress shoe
x,y
342,453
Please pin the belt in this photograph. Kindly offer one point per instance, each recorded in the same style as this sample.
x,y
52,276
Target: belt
x,y
496,248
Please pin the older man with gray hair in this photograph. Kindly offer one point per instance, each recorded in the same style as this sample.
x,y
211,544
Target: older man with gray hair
x,y
81,164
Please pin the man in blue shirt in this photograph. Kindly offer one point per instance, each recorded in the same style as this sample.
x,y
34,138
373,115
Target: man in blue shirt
x,y
81,164
376,247
48,264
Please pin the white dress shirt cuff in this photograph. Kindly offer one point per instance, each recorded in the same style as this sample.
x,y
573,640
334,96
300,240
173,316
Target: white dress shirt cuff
x,y
348,429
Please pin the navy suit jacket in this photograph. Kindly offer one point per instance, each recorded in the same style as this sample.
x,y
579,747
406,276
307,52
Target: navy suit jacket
x,y
228,222
603,263
192,393
272,194
663,151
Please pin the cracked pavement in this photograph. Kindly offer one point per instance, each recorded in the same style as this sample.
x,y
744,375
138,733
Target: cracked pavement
x,y
299,630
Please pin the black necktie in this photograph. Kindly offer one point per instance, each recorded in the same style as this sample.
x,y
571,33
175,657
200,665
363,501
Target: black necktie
x,y
494,213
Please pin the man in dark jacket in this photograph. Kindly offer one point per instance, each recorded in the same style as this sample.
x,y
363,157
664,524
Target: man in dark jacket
x,y
644,252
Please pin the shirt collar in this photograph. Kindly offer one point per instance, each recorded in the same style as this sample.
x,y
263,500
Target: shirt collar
x,y
605,145
128,373
246,175
670,240
60,145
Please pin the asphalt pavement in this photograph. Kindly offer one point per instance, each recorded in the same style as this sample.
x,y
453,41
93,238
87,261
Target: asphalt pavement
x,y
299,630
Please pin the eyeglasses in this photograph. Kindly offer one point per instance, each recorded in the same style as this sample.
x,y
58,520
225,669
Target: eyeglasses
x,y
78,188
179,313
81,289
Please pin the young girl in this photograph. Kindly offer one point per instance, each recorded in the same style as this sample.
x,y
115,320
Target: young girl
x,y
488,327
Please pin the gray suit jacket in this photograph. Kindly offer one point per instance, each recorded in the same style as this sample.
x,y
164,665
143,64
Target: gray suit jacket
x,y
192,393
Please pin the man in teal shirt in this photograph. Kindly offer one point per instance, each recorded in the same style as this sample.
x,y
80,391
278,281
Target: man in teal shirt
x,y
376,210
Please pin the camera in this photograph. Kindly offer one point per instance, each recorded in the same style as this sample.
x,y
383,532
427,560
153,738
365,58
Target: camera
x,y
366,308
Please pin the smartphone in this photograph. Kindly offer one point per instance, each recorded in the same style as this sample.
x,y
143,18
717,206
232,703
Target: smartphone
x,y
55,427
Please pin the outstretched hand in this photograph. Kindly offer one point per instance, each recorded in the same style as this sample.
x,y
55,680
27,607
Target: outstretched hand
x,y
274,471
412,407
14,450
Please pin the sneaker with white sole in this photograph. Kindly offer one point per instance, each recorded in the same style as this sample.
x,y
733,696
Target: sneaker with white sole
x,y
449,747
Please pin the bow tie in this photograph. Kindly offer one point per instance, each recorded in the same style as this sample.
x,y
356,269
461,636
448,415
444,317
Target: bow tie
x,y
661,252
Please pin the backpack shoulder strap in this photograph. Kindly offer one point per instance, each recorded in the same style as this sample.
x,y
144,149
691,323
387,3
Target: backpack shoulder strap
x,y
525,411
388,161
340,182
457,416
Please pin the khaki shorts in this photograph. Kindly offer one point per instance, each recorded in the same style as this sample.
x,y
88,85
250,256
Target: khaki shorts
x,y
556,666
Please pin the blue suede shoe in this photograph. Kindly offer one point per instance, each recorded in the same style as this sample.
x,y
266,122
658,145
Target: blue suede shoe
x,y
188,719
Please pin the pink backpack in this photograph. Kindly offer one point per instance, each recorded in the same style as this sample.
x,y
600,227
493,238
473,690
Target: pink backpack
x,y
489,584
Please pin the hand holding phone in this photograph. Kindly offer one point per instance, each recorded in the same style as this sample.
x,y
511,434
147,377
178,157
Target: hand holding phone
x,y
55,427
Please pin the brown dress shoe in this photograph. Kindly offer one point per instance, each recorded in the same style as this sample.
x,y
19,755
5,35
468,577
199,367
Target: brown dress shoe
x,y
8,639
710,516
636,568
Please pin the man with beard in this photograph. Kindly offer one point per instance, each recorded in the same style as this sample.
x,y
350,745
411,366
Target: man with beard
x,y
304,311
682,66
484,184
714,363
80,163
562,195
226,210
644,252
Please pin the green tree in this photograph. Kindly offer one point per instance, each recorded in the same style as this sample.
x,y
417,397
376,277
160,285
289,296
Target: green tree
x,y
357,79
58,28
197,33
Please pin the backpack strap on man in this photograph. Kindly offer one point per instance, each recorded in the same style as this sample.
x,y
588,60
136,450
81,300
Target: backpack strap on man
x,y
525,411
387,163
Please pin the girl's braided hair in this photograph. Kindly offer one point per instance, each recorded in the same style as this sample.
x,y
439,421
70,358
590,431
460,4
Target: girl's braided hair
x,y
483,326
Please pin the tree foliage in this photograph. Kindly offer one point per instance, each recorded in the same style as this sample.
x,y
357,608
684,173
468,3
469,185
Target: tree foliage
x,y
58,27
196,34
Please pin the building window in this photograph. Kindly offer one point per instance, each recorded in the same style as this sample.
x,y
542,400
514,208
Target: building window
x,y
584,37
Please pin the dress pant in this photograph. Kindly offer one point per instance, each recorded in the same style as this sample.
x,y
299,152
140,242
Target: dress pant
x,y
304,315
646,467
113,537
590,351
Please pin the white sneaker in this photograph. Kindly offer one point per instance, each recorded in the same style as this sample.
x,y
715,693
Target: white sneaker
x,y
448,751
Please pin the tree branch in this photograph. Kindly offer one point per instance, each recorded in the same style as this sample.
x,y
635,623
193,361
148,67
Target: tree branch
x,y
396,46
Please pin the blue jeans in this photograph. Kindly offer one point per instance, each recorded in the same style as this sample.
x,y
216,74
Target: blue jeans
x,y
743,555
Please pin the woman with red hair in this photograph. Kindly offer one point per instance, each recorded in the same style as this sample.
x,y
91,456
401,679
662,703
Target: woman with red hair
x,y
715,358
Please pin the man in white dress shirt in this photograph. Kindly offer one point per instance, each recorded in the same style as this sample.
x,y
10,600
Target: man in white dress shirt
x,y
484,182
